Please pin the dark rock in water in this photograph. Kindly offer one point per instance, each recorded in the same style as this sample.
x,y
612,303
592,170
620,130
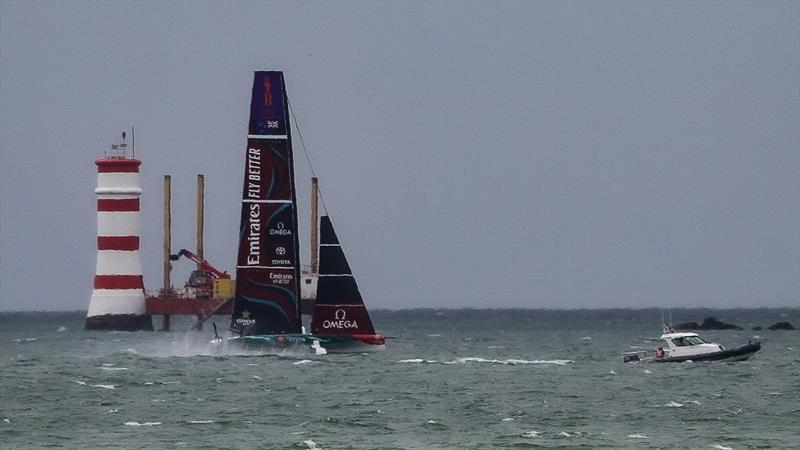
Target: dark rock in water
x,y
713,324
781,326
709,324
756,328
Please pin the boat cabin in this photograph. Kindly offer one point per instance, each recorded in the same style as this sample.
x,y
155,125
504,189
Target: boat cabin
x,y
685,344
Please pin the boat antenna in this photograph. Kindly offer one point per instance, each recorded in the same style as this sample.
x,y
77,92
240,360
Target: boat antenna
x,y
133,143
308,158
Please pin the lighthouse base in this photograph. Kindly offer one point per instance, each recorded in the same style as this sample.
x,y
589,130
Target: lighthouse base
x,y
120,322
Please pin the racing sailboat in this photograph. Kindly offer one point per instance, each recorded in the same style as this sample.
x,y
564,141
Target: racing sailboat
x,y
266,311
340,319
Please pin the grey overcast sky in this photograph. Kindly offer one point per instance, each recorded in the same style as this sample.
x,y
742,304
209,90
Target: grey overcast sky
x,y
502,154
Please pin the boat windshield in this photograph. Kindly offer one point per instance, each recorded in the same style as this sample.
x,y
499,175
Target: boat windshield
x,y
688,340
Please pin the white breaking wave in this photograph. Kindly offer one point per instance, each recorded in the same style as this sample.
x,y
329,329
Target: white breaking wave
x,y
560,362
638,436
61,329
112,369
143,424
530,434
304,361
474,359
721,447
508,419
585,338
674,404
200,421
102,386
310,443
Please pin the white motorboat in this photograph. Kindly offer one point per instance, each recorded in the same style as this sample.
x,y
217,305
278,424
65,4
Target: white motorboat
x,y
680,347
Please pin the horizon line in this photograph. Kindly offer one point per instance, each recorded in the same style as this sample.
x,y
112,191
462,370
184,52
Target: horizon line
x,y
478,308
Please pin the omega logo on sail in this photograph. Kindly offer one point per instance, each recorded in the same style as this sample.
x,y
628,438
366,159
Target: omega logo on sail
x,y
280,230
340,321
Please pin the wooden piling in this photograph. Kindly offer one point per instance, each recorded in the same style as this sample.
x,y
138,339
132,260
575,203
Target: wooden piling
x,y
200,216
167,243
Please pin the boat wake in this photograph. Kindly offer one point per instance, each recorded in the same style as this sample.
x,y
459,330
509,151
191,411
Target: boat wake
x,y
472,359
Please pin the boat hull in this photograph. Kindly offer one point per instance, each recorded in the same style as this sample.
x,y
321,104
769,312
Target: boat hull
x,y
272,343
740,353
358,343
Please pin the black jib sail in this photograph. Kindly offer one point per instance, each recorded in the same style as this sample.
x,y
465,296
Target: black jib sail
x,y
267,271
339,308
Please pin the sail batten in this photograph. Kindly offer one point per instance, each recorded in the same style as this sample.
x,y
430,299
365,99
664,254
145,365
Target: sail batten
x,y
267,269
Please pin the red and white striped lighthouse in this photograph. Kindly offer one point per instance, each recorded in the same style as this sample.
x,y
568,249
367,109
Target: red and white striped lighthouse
x,y
118,301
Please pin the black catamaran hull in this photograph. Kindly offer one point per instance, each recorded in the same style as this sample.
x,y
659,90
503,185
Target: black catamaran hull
x,y
734,354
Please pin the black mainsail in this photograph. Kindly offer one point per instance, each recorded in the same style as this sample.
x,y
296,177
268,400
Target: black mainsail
x,y
268,269
339,308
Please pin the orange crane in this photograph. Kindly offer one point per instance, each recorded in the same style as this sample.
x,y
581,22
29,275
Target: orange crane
x,y
203,278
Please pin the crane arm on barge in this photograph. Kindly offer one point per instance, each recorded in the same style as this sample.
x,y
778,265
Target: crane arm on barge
x,y
204,265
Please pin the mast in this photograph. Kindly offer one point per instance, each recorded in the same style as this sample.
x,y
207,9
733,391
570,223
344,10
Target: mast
x,y
314,264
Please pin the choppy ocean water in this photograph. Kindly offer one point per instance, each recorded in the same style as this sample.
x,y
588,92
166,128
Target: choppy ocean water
x,y
448,379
